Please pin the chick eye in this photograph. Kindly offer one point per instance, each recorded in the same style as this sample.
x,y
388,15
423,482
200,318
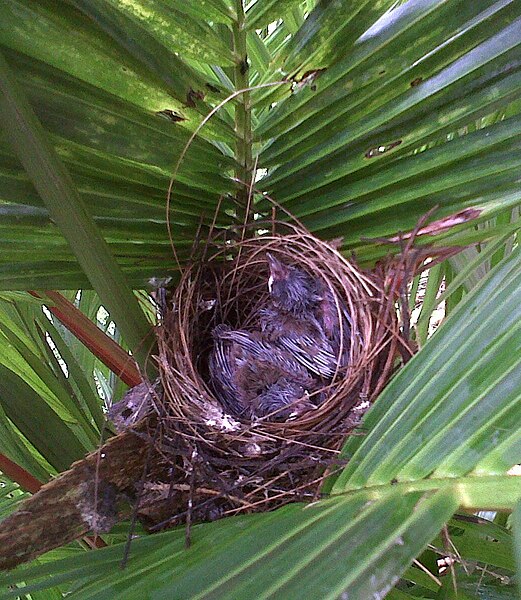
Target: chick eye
x,y
270,284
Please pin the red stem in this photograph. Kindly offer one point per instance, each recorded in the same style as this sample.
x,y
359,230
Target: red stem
x,y
98,342
20,476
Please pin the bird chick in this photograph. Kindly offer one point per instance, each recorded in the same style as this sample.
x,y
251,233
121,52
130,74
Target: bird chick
x,y
274,394
292,290
272,373
335,321
291,321
252,377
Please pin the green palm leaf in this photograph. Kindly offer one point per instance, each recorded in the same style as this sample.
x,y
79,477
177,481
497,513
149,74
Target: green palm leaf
x,y
104,116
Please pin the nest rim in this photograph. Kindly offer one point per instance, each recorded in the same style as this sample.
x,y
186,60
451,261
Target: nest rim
x,y
362,292
222,465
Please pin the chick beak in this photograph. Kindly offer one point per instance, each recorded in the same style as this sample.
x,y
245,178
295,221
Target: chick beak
x,y
278,270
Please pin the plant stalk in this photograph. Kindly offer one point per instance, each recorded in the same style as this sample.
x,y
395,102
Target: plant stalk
x,y
243,145
68,211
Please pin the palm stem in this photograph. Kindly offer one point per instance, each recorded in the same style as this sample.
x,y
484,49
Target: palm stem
x,y
243,146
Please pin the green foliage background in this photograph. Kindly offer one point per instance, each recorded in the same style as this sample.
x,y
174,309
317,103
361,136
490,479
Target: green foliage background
x,y
359,117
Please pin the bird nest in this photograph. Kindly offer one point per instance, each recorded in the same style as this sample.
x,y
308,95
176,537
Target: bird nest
x,y
220,463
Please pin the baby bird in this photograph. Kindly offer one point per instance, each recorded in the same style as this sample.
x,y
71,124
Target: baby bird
x,y
275,373
256,379
292,318
335,321
274,394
